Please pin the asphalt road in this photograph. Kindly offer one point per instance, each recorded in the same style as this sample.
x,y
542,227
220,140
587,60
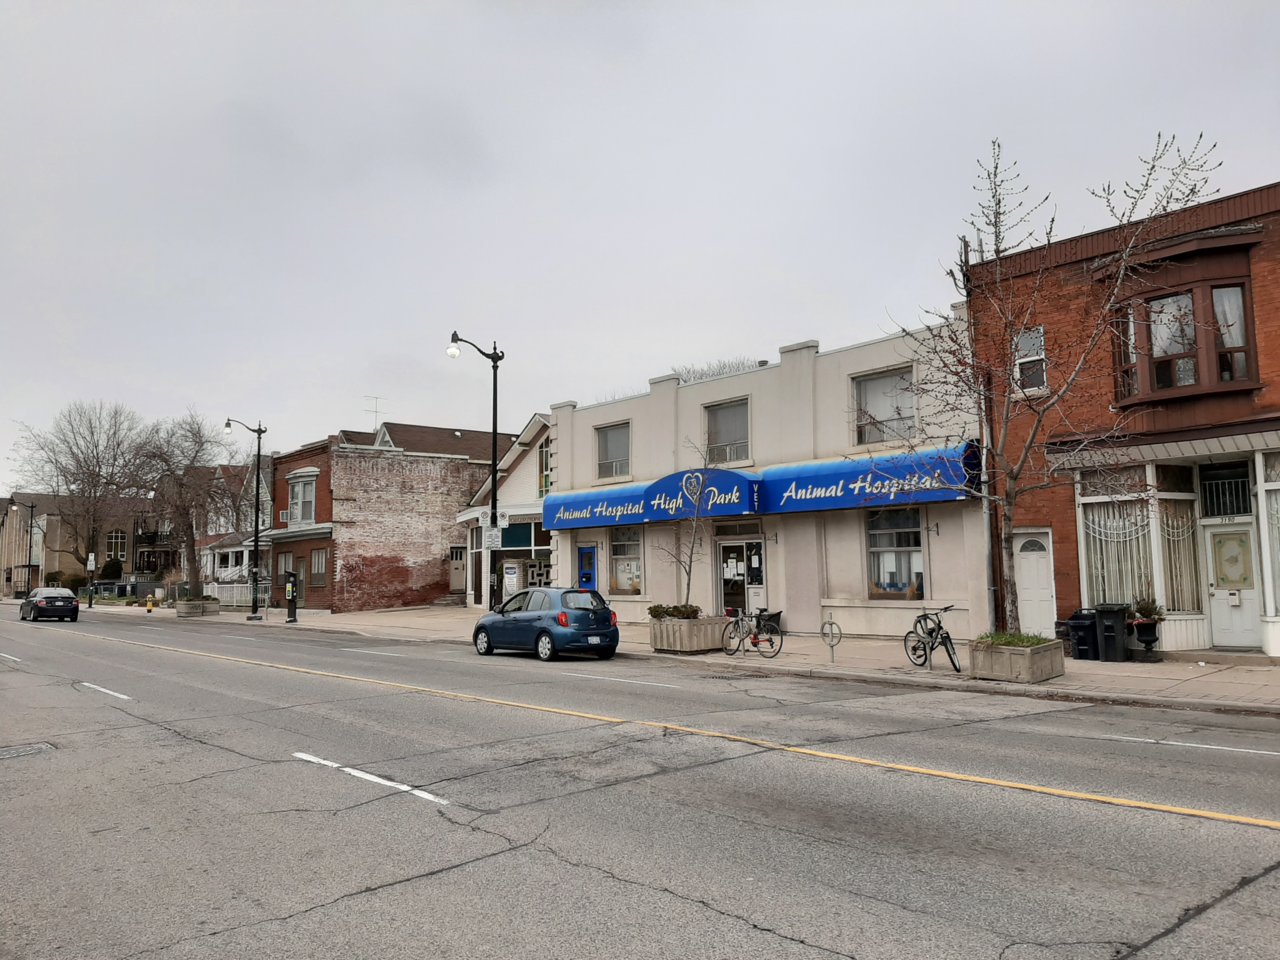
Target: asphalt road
x,y
219,790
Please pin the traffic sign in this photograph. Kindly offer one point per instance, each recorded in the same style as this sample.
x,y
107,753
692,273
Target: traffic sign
x,y
92,565
492,538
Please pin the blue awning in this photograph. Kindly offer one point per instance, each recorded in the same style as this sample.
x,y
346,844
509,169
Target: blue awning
x,y
926,476
929,476
677,496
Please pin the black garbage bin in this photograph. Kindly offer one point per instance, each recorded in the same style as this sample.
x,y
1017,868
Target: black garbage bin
x,y
1083,627
1113,645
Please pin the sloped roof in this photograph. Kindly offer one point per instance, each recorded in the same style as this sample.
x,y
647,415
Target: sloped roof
x,y
360,438
473,444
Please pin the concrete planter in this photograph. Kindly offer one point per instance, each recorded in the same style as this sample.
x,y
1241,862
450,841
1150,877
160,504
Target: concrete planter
x,y
198,608
686,636
1016,664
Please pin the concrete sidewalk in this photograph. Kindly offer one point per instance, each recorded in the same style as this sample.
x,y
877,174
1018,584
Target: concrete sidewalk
x,y
1240,684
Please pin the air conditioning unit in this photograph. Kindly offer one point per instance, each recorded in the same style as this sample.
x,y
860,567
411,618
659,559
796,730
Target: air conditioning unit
x,y
284,516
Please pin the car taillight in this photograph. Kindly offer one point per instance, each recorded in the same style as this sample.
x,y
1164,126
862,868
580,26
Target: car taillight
x,y
613,619
75,603
39,603
562,618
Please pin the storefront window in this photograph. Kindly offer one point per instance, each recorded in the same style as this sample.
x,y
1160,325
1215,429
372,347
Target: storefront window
x,y
895,561
624,561
1181,556
1117,546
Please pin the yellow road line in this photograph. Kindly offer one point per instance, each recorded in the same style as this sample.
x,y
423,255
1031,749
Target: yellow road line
x,y
733,738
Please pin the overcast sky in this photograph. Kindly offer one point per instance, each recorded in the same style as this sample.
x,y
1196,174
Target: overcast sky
x,y
271,210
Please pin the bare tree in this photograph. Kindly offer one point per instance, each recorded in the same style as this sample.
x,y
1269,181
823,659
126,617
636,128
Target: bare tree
x,y
690,531
1024,380
90,456
179,467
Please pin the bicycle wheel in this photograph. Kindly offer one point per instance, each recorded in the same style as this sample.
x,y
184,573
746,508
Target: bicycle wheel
x,y
731,638
951,650
917,647
770,641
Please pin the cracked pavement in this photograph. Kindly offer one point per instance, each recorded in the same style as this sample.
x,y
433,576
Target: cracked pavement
x,y
191,831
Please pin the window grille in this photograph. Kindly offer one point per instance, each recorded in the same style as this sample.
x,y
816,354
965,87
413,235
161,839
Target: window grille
x,y
1117,542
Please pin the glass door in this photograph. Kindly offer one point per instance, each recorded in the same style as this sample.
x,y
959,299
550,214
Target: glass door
x,y
733,571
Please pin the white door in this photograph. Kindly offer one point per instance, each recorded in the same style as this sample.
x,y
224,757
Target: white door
x,y
1033,574
457,569
1233,586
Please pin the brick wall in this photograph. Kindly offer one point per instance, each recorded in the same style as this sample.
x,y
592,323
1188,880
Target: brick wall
x,y
394,521
1068,293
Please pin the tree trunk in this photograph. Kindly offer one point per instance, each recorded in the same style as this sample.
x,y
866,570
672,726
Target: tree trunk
x,y
1009,582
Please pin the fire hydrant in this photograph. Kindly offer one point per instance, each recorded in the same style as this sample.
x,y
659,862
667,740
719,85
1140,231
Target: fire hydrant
x,y
151,602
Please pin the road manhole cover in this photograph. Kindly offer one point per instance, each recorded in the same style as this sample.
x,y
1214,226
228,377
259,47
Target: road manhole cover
x,y
24,750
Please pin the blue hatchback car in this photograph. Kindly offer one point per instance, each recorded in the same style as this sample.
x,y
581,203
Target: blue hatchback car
x,y
550,621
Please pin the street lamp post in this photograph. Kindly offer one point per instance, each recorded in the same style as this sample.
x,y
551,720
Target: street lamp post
x,y
257,506
31,525
494,357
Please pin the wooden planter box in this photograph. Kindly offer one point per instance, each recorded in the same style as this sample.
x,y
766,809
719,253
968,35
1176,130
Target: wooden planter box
x,y
686,636
1016,664
210,608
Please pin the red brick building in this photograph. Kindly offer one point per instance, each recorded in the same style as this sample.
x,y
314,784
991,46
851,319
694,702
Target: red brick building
x,y
369,520
1182,402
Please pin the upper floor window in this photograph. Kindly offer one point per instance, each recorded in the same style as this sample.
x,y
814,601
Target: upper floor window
x,y
117,541
544,467
613,451
885,407
1193,336
1030,374
302,496
728,435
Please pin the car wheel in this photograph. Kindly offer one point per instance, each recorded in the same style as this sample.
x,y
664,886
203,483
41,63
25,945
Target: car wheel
x,y
75,618
21,614
607,654
546,647
483,646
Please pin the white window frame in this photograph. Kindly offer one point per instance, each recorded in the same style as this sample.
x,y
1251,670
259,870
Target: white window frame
x,y
637,556
617,468
871,551
899,428
732,451
301,483
117,545
1025,352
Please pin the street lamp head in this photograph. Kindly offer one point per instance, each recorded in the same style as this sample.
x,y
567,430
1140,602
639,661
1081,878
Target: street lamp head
x,y
226,427
453,351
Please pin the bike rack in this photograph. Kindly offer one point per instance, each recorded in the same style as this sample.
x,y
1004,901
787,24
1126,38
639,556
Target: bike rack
x,y
831,636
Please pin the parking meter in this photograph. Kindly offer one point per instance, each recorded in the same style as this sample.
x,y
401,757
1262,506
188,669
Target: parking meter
x,y
291,596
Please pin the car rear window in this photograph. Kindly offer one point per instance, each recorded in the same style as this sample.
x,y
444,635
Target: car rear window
x,y
55,593
582,600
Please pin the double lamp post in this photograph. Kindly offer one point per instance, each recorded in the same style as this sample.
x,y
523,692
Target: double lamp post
x,y
494,357
259,430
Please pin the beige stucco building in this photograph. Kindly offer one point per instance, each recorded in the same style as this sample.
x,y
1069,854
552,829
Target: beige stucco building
x,y
822,485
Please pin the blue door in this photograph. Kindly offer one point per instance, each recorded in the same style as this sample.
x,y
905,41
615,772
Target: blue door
x,y
587,568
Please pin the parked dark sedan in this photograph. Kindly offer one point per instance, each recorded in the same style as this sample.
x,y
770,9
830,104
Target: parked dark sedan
x,y
550,621
48,602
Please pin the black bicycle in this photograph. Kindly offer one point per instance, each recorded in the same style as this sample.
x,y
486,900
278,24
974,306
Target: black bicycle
x,y
926,635
745,629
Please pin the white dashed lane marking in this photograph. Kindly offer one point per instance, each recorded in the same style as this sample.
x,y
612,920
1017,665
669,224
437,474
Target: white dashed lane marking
x,y
94,686
7,657
403,787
